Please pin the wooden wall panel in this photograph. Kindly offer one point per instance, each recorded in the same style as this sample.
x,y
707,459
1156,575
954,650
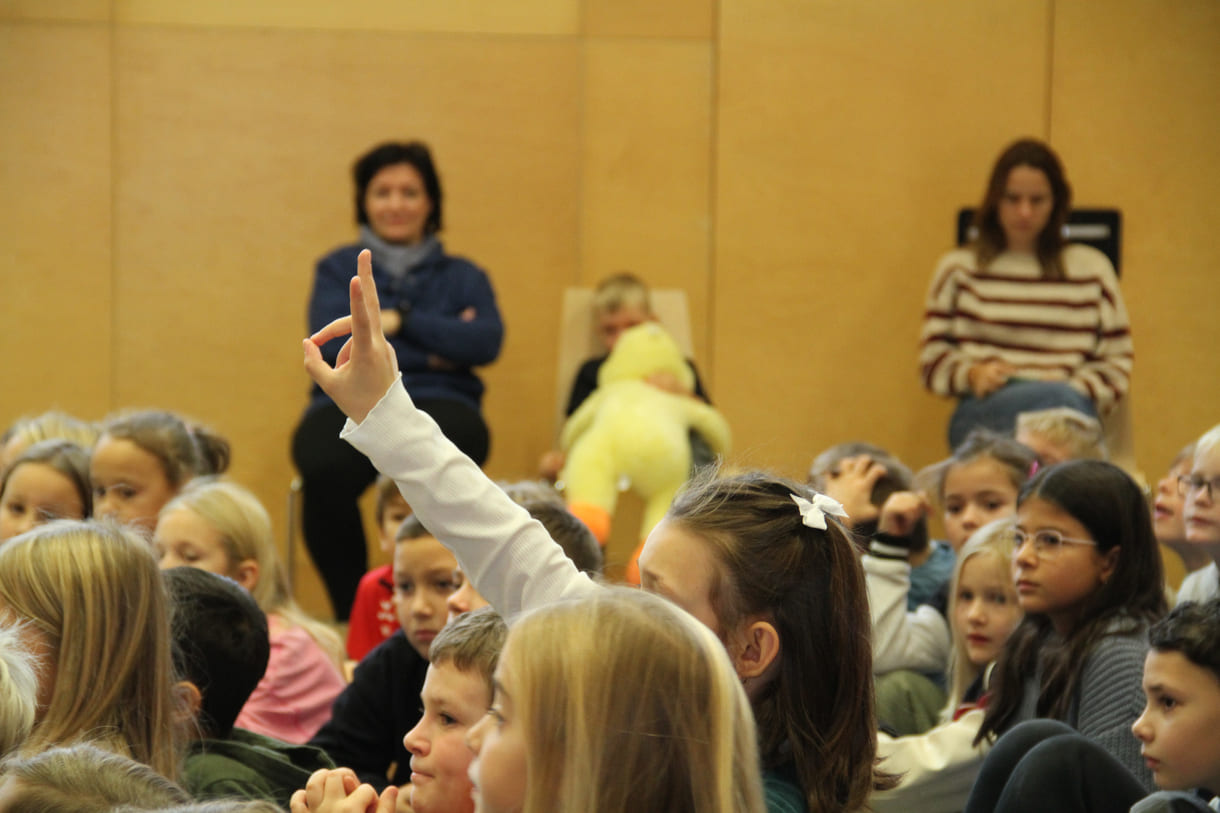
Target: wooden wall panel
x,y
675,19
646,188
55,228
56,10
848,135
1136,109
229,189
531,17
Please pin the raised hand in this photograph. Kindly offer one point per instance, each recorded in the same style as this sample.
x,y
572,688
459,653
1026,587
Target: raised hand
x,y
366,365
851,482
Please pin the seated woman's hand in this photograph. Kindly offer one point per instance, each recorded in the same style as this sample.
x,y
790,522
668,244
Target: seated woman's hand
x,y
988,376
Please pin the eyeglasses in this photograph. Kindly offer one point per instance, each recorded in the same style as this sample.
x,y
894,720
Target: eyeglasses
x,y
1189,484
1047,543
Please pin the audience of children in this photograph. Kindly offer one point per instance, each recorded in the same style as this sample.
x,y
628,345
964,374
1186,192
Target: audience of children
x,y
1045,765
778,584
221,649
758,559
373,619
219,526
142,459
48,480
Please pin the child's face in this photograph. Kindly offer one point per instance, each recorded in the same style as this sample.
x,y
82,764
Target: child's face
x,y
184,539
465,598
1180,726
612,324
499,769
975,493
36,493
1048,451
1057,583
1167,519
129,483
423,580
678,565
1201,506
986,609
454,700
392,515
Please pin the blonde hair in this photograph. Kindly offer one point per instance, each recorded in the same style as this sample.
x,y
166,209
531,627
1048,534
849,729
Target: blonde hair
x,y
88,779
993,541
1207,441
94,590
1082,434
245,532
18,689
621,290
26,431
663,721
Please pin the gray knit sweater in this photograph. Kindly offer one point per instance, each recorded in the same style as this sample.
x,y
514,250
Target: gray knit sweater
x,y
1108,699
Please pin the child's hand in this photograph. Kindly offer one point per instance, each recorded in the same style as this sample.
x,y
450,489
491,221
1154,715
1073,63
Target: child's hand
x,y
988,376
404,800
339,791
851,483
901,512
550,464
366,366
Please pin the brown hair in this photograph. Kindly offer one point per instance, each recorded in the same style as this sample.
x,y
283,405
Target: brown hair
x,y
818,712
991,241
472,643
185,450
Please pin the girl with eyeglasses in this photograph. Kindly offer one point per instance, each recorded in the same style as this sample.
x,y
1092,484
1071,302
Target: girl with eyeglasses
x,y
1088,576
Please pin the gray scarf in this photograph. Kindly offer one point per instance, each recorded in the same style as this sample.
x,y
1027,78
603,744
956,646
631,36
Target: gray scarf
x,y
396,258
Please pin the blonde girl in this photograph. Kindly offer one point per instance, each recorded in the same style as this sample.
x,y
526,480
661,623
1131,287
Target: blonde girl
x,y
142,459
53,425
679,736
983,612
49,480
221,527
98,619
761,561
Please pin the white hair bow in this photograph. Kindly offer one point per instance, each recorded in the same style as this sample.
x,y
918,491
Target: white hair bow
x,y
813,514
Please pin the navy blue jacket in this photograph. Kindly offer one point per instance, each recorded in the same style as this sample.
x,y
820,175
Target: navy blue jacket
x,y
439,290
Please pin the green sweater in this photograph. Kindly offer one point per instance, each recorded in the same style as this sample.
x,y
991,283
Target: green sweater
x,y
249,766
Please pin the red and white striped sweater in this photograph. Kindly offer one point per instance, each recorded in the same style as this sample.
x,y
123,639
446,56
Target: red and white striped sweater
x,y
1074,330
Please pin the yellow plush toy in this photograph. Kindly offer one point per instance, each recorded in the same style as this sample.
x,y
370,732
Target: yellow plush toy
x,y
631,434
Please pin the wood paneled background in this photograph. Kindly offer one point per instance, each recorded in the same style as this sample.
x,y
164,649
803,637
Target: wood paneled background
x,y
171,170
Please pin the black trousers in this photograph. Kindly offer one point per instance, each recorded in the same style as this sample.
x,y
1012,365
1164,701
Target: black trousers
x,y
1048,767
334,475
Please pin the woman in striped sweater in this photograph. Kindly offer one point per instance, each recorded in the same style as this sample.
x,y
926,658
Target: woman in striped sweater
x,y
1020,320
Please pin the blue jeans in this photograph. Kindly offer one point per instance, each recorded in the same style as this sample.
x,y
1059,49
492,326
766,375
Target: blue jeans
x,y
998,411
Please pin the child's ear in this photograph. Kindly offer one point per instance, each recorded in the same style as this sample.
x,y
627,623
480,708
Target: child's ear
x,y
189,698
1109,561
755,652
246,574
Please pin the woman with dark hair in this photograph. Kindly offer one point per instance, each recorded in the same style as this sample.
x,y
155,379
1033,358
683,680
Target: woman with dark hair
x,y
441,319
1020,320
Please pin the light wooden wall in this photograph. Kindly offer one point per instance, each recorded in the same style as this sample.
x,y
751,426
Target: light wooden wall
x,y
171,170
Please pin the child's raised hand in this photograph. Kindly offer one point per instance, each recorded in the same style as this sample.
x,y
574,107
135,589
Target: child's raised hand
x,y
340,791
366,366
901,511
851,483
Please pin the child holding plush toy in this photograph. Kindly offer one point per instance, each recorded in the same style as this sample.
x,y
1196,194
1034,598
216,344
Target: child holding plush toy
x,y
620,301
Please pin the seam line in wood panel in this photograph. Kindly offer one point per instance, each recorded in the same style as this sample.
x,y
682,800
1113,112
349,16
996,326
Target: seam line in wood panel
x,y
113,331
709,322
1048,107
